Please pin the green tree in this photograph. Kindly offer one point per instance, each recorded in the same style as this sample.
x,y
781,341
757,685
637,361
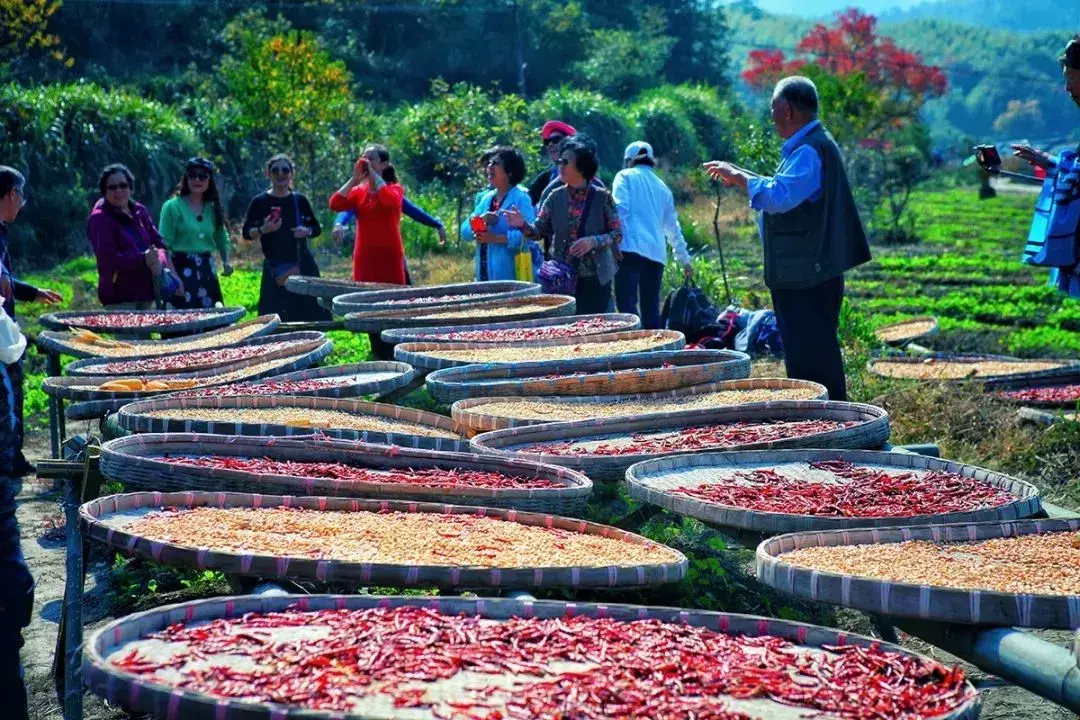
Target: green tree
x,y
621,63
25,34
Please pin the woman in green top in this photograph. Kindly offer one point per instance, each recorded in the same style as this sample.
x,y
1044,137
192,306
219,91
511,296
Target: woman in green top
x,y
193,225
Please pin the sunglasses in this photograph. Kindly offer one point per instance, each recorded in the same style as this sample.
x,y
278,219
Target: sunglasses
x,y
563,162
197,175
116,187
281,171
554,140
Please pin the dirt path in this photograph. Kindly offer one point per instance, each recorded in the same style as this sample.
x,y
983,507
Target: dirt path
x,y
40,510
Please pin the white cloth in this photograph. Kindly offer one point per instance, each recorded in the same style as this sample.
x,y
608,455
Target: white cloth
x,y
12,341
647,211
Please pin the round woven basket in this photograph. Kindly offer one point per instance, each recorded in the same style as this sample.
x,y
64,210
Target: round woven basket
x,y
206,319
161,700
93,514
471,412
418,354
870,432
926,602
998,387
136,461
92,402
301,342
330,288
401,374
619,322
414,298
633,374
1068,370
902,333
60,342
134,417
531,307
654,481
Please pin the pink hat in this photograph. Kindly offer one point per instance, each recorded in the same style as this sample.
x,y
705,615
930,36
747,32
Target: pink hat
x,y
557,126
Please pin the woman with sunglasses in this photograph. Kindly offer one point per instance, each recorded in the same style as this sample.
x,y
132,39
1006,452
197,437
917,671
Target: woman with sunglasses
x,y
282,220
192,225
551,135
497,244
126,244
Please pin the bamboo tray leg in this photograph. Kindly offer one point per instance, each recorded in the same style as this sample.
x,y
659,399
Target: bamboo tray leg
x,y
56,407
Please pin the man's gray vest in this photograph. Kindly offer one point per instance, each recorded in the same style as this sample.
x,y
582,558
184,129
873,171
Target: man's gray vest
x,y
820,239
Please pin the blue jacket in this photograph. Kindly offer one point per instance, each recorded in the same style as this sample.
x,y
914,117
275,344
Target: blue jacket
x,y
500,258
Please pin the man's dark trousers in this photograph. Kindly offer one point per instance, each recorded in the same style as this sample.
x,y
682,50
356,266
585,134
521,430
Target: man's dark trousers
x,y
808,319
639,275
16,604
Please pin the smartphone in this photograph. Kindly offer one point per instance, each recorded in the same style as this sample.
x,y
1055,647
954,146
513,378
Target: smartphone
x,y
275,214
988,157
477,224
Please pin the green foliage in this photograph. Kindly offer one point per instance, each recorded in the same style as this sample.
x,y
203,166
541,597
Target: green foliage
x,y
621,63
25,33
136,584
666,126
712,117
602,119
757,146
349,347
61,136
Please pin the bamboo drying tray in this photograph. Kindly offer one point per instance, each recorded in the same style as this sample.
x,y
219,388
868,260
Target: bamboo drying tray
x,y
997,387
530,307
300,343
94,514
638,373
206,319
165,701
902,333
414,298
135,461
653,481
90,402
927,602
871,432
329,288
946,367
181,415
63,342
478,414
426,356
375,377
438,333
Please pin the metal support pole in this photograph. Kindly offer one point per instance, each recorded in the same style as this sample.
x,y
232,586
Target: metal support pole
x,y
56,409
74,585
1021,658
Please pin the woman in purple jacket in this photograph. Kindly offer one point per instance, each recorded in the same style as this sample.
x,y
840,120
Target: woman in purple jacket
x,y
126,244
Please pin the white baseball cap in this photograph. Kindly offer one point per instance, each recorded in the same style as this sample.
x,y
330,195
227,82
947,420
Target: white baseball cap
x,y
638,149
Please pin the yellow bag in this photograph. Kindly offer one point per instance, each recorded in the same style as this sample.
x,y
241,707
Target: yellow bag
x,y
523,266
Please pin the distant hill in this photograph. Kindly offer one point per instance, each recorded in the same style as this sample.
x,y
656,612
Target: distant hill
x,y
987,69
1025,16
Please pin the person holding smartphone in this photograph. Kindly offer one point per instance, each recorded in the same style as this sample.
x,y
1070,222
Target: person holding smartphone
x,y
282,220
497,244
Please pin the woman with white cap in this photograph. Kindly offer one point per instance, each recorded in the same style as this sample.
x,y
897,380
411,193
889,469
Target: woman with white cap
x,y
649,222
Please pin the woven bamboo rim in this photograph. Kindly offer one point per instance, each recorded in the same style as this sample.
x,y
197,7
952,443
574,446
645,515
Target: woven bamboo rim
x,y
546,306
389,299
305,342
1004,384
871,433
133,417
653,481
916,332
463,410
1070,370
927,602
406,374
417,353
329,288
625,322
134,460
73,388
591,376
445,576
59,342
215,318
163,701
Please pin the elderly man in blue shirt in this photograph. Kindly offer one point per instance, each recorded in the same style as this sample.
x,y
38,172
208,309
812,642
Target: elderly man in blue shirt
x,y
811,232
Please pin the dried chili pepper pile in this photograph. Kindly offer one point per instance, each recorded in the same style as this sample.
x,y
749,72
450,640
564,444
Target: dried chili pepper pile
x,y
199,359
1063,394
868,492
426,477
590,326
609,669
563,376
126,321
274,387
433,299
692,438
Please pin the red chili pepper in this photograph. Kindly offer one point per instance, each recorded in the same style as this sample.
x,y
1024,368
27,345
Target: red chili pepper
x,y
125,321
1057,394
194,360
591,326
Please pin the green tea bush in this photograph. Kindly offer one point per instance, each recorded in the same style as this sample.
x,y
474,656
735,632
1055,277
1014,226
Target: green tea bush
x,y
664,125
604,120
711,117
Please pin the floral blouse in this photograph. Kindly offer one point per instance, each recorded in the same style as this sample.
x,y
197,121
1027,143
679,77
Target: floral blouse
x,y
576,197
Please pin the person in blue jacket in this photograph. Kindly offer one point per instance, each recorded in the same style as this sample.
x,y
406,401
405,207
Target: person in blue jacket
x,y
344,219
498,244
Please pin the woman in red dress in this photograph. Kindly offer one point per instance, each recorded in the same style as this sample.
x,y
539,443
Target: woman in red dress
x,y
374,194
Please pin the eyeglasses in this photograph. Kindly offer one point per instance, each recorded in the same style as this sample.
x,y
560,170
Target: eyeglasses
x,y
494,163
196,175
563,162
117,187
283,171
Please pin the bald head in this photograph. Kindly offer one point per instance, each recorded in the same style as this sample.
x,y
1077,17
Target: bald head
x,y
794,104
